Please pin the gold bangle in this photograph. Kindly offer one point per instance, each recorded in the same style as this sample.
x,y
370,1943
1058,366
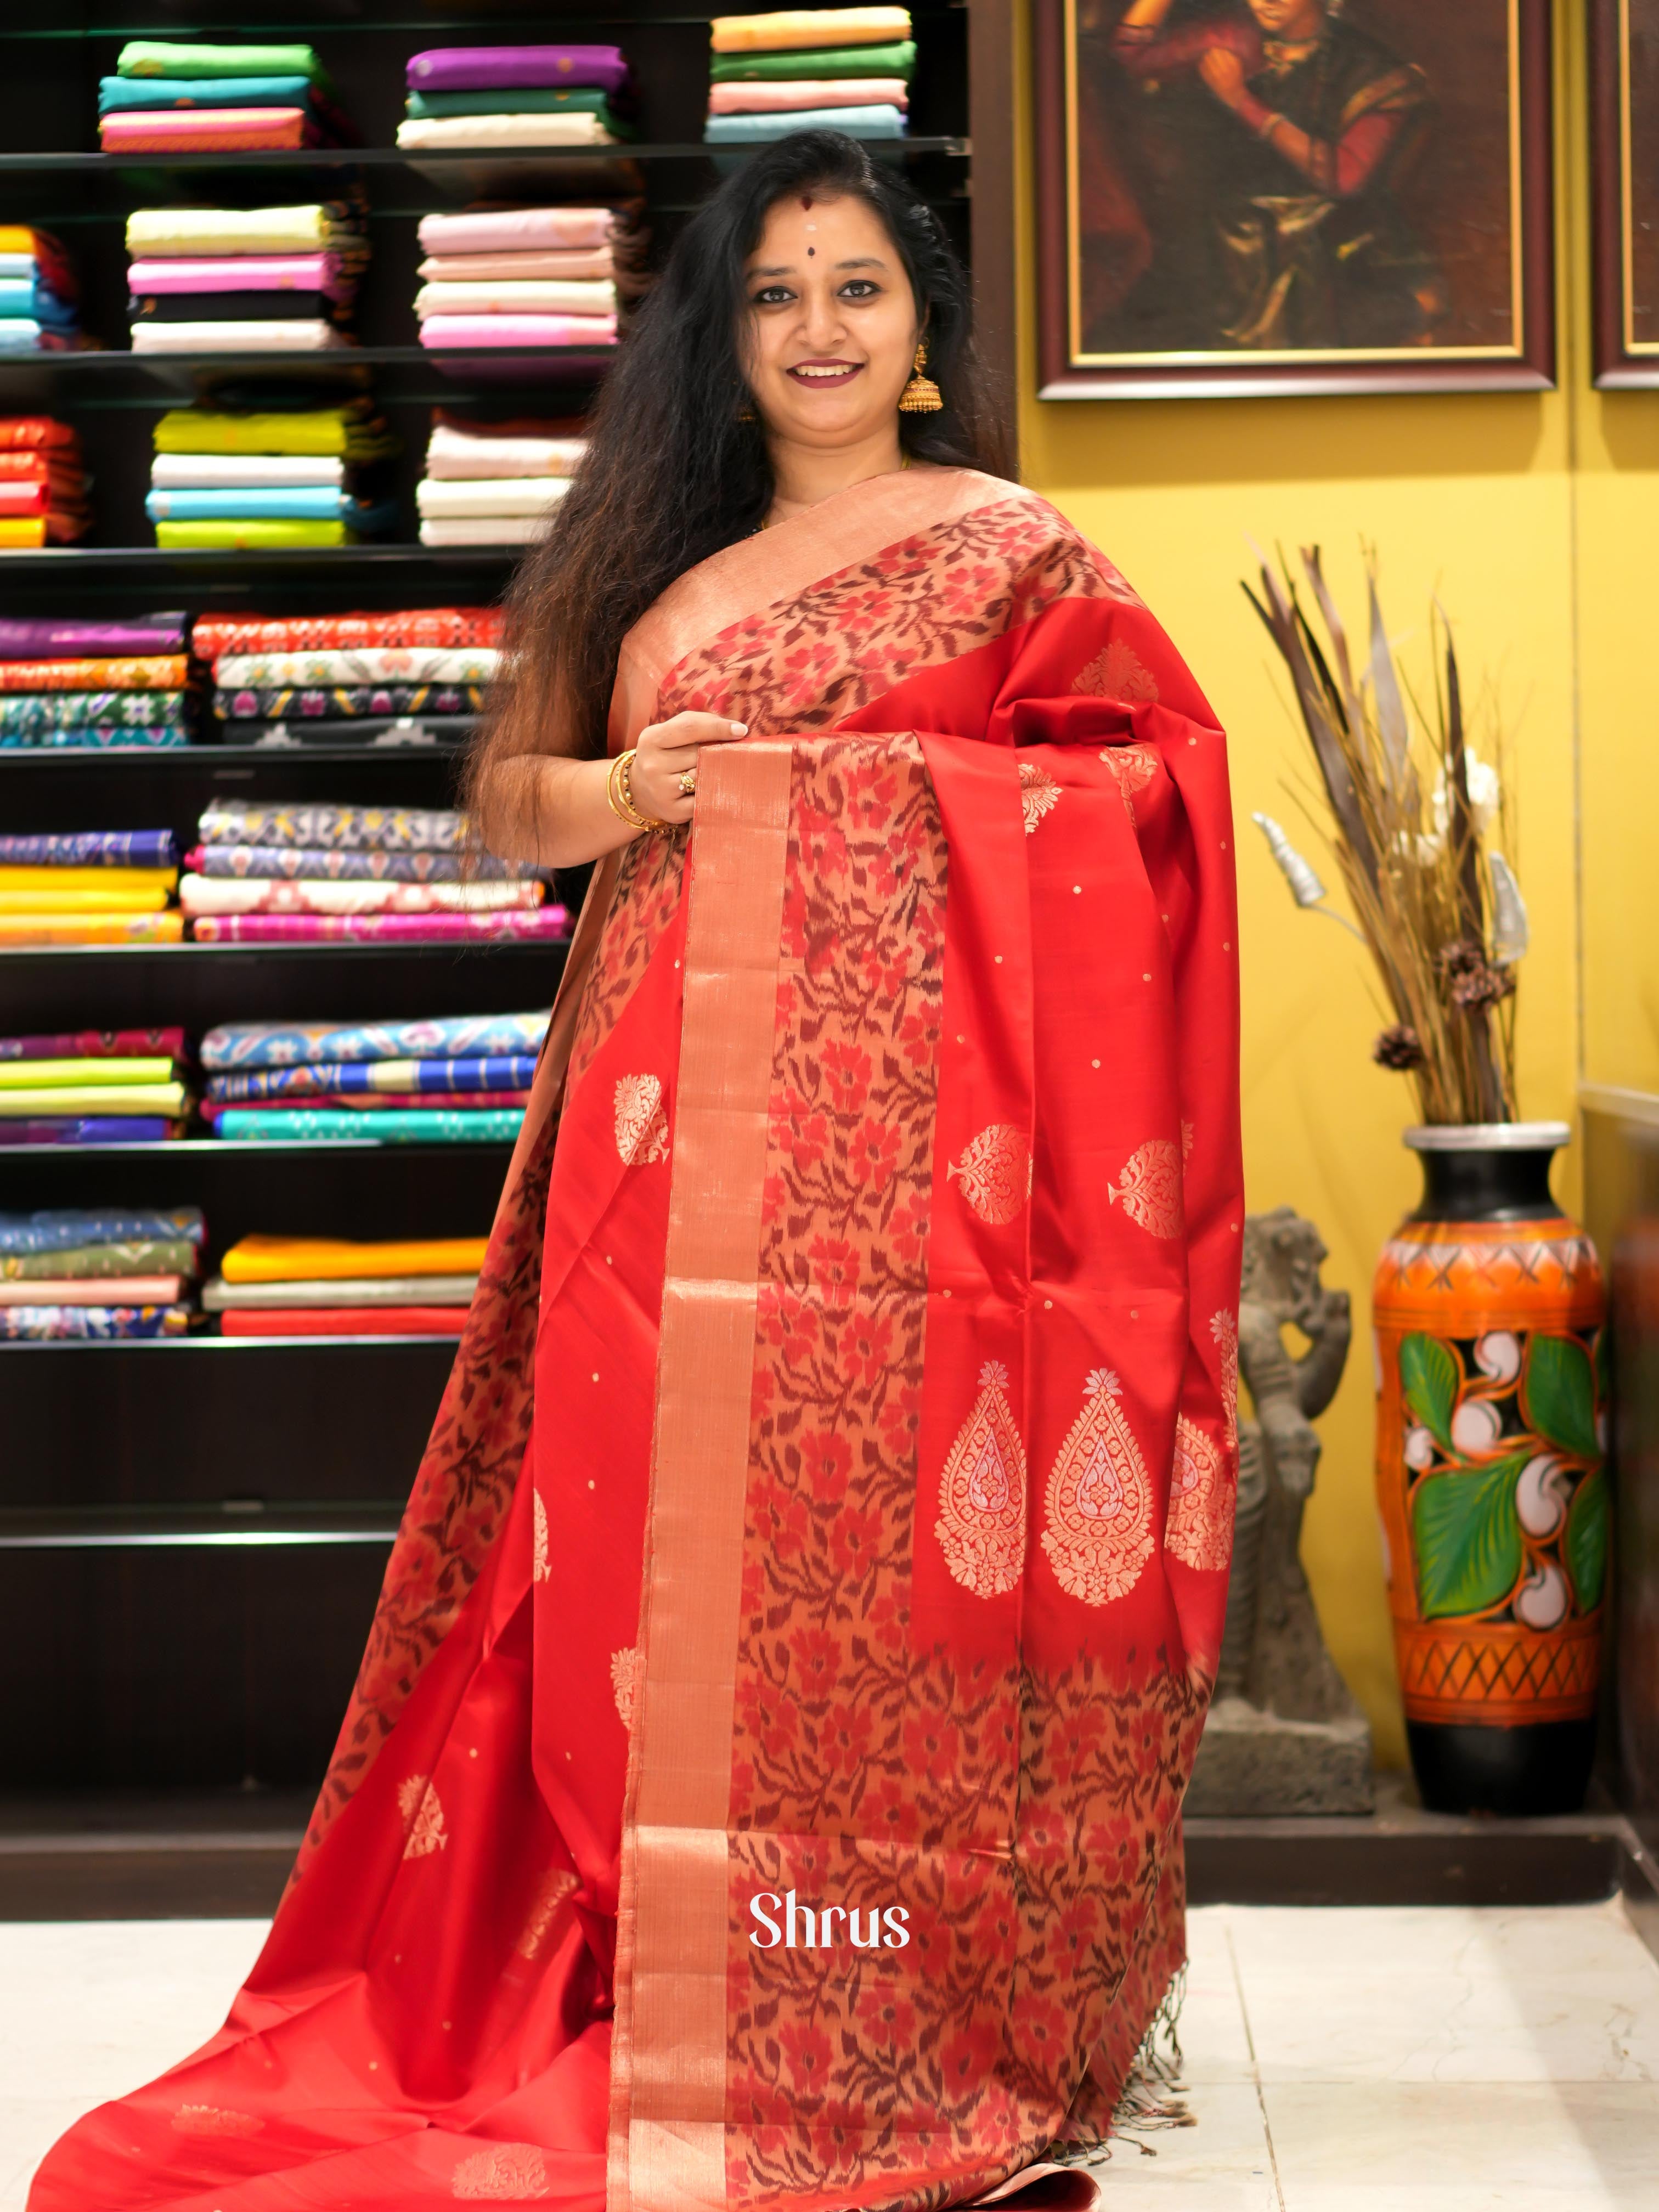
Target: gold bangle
x,y
619,791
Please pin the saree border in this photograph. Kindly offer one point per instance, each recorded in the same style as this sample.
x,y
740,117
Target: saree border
x,y
779,564
667,2143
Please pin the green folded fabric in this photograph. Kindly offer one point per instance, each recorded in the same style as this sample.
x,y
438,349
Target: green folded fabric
x,y
247,536
820,62
150,1255
516,99
160,58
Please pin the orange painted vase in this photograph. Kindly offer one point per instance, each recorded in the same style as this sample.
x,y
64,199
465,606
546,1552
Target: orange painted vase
x,y
1489,1309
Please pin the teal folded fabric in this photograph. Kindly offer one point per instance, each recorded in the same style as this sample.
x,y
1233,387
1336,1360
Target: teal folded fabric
x,y
30,296
117,94
102,737
305,503
884,121
582,99
414,1124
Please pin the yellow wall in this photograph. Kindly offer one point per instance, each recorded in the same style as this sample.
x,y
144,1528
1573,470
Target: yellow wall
x,y
1532,518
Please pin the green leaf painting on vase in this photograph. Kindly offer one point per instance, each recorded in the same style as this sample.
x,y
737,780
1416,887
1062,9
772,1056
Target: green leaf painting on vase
x,y
1467,1537
1585,1545
1560,1397
1428,1374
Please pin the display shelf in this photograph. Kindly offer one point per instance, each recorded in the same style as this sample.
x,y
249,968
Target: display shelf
x,y
418,375
461,162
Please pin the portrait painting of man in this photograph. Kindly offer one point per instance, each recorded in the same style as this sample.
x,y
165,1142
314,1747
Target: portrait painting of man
x,y
1301,188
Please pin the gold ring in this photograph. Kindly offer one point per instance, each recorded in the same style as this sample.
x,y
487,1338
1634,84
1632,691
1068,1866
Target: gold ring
x,y
688,783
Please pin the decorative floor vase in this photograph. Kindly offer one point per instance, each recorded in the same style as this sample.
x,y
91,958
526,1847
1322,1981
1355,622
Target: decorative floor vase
x,y
1489,1307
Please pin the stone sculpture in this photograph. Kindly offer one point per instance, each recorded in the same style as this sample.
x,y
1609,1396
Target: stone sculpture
x,y
1283,1735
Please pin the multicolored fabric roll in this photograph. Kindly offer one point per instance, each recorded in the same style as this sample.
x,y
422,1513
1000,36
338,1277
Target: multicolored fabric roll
x,y
90,1129
144,1255
208,895
91,849
338,828
42,1324
547,924
432,1126
452,1036
493,1071
94,1044
66,1228
349,864
214,636
34,713
148,672
102,737
366,664
280,702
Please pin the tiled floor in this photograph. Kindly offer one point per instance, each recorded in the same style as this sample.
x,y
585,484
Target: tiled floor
x,y
1342,2061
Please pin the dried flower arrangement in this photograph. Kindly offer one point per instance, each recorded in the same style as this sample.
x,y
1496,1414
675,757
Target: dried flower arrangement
x,y
1409,822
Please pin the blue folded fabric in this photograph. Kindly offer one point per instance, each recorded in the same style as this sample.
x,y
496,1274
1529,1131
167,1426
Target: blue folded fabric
x,y
254,503
884,121
102,737
34,296
62,1229
89,849
116,93
87,1129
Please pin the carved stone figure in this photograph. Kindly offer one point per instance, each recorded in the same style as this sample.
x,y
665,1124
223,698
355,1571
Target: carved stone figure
x,y
1283,1735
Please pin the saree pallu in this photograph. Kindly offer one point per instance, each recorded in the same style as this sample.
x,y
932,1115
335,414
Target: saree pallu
x,y
762,1785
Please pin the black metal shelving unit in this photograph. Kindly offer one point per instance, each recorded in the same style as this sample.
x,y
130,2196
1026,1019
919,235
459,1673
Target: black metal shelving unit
x,y
191,1533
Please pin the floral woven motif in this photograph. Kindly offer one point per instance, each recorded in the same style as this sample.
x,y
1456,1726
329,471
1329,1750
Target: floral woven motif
x,y
1199,1529
994,1173
982,1494
1097,1509
423,1816
1149,1188
506,2173
641,1125
1038,794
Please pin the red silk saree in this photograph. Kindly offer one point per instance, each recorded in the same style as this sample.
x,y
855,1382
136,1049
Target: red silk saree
x,y
762,1783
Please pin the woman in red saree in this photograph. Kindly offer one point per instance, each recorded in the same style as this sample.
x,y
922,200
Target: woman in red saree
x,y
762,1785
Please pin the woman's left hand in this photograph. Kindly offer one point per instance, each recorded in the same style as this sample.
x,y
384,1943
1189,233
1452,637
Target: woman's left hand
x,y
1224,73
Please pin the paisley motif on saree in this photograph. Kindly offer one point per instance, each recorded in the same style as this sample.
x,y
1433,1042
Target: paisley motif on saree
x,y
727,1574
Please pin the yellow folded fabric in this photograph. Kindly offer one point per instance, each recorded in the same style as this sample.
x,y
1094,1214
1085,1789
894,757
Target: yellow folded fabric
x,y
39,928
22,531
95,1098
40,1074
286,1259
88,879
88,902
808,27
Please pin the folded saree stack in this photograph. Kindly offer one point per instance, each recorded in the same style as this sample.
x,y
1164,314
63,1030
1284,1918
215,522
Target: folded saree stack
x,y
833,69
43,485
490,98
277,280
494,483
524,278
91,1087
103,1272
124,684
89,887
363,680
270,476
39,294
456,1079
327,1287
167,98
366,874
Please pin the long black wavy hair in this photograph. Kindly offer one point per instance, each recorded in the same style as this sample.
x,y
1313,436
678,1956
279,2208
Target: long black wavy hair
x,y
671,473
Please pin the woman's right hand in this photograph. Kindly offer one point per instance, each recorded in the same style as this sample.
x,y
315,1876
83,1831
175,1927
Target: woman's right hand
x,y
665,751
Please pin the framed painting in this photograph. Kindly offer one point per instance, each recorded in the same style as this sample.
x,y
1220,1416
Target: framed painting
x,y
1625,157
1278,198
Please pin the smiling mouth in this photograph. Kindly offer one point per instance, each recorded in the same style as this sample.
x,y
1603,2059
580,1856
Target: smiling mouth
x,y
824,373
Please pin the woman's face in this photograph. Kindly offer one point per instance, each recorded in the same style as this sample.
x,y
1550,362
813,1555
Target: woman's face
x,y
828,336
1290,19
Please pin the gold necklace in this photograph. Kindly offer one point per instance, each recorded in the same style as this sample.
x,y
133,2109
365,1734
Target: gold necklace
x,y
904,463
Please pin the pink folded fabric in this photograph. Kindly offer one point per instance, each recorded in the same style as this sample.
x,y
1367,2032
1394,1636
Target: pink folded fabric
x,y
242,272
485,267
544,921
208,131
512,230
375,1102
528,332
100,1290
839,92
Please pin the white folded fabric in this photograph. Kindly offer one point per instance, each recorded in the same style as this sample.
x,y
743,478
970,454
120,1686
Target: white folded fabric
x,y
358,664
220,1297
322,895
485,529
453,133
457,453
542,296
298,336
491,496
245,471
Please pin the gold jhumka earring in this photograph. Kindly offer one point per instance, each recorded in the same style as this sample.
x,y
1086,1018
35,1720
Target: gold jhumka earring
x,y
746,410
921,396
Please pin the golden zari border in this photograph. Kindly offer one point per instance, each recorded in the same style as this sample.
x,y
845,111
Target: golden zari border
x,y
668,2068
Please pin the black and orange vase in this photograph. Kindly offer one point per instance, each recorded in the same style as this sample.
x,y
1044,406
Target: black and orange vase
x,y
1491,1427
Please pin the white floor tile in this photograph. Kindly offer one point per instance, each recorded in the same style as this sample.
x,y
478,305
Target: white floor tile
x,y
1382,2146
1222,2163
